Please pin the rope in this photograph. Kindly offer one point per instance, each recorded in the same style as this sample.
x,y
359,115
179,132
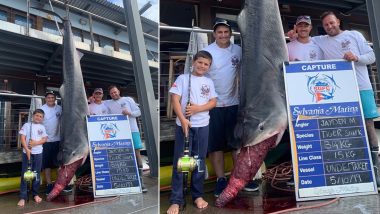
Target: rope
x,y
83,183
279,174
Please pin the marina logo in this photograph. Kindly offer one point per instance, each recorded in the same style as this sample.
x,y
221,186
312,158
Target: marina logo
x,y
321,87
109,130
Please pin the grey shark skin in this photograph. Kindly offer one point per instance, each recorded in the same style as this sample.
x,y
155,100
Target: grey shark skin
x,y
73,148
262,117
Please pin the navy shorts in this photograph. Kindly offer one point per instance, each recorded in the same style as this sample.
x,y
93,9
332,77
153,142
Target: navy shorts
x,y
222,125
49,155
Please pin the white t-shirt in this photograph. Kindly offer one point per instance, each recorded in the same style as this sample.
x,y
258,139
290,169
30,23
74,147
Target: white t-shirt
x,y
202,90
97,109
304,51
38,132
51,122
224,72
334,47
117,106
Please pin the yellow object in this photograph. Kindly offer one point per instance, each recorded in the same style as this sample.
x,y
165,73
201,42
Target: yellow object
x,y
13,183
186,164
29,176
166,171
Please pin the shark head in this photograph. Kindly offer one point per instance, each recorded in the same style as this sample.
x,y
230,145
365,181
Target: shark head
x,y
254,130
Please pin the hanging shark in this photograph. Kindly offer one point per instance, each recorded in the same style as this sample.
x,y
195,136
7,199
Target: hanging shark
x,y
73,147
262,115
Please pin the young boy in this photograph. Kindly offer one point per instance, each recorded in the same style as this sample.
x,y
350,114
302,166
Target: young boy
x,y
202,99
33,135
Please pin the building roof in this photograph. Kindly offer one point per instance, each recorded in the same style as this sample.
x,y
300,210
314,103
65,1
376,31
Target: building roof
x,y
110,11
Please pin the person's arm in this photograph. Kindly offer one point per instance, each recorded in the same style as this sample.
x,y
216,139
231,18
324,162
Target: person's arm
x,y
193,108
25,145
185,123
135,110
366,55
38,142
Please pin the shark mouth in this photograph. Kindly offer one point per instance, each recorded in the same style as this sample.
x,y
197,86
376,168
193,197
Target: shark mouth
x,y
248,163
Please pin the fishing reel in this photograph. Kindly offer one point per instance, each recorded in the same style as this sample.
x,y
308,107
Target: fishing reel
x,y
30,175
188,163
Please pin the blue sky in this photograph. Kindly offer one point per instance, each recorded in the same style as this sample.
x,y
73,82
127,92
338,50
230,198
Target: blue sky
x,y
151,13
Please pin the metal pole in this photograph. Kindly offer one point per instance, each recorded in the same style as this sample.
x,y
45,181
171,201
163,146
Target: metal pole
x,y
27,17
189,30
102,18
200,30
92,45
373,7
143,82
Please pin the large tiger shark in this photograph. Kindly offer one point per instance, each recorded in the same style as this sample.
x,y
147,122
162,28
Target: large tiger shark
x,y
73,147
262,117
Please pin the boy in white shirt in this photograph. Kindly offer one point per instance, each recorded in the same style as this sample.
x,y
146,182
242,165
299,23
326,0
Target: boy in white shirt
x,y
202,99
33,135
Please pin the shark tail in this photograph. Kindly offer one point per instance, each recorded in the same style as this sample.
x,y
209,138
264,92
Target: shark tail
x,y
248,163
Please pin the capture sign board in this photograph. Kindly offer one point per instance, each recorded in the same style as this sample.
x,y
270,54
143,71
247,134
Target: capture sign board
x,y
330,151
113,162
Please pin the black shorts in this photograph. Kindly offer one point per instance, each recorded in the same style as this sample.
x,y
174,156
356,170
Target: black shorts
x,y
222,125
50,154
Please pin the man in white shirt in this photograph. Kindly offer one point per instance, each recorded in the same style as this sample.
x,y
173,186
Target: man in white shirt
x,y
352,46
224,72
303,48
97,107
127,106
51,147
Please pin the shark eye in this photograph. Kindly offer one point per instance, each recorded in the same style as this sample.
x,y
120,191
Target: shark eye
x,y
261,127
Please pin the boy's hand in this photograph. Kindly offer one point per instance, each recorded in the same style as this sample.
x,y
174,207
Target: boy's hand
x,y
28,152
32,143
185,127
191,109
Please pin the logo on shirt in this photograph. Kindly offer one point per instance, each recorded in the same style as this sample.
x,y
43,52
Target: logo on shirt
x,y
58,114
235,61
205,91
109,130
40,132
312,55
346,45
321,87
174,85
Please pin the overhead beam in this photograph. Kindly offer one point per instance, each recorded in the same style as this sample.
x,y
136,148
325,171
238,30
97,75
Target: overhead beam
x,y
354,9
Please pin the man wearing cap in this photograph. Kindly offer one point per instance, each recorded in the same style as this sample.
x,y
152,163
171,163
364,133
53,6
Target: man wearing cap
x,y
97,107
224,72
51,147
303,48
